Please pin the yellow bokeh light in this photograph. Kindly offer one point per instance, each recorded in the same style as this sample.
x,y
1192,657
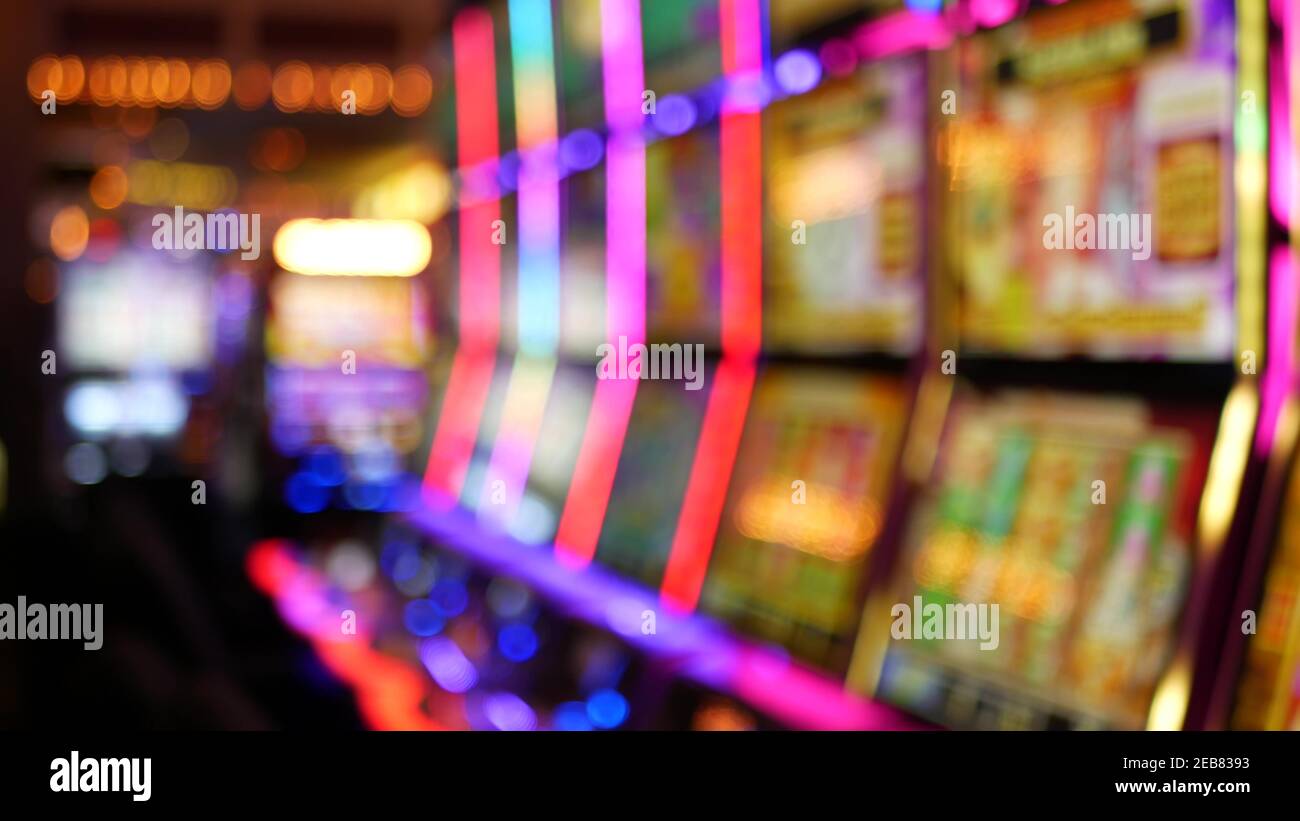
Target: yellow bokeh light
x,y
394,248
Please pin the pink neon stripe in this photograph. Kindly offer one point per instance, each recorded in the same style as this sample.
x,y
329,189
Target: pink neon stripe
x,y
480,260
1280,366
625,301
621,60
900,32
706,491
1281,153
625,240
741,27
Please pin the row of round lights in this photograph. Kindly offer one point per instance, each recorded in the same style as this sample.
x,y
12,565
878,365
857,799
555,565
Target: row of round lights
x,y
294,86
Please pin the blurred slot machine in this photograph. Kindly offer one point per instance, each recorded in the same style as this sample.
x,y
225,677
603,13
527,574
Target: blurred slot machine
x,y
139,318
616,478
138,333
1088,503
346,341
513,418
843,314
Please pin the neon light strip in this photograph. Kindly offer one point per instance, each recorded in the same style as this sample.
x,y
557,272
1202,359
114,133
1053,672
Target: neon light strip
x,y
900,32
741,139
625,263
539,189
480,258
512,453
699,648
539,259
1251,177
706,491
1280,367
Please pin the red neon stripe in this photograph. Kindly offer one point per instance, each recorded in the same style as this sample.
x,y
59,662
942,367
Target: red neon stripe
x,y
742,304
476,87
477,143
707,489
593,475
480,260
742,237
462,410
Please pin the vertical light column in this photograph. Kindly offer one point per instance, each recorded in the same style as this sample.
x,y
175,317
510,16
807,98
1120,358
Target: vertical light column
x,y
532,53
480,258
741,140
625,272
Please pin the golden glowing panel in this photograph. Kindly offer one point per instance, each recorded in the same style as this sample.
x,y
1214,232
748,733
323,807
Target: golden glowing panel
x,y
194,186
314,319
805,507
421,192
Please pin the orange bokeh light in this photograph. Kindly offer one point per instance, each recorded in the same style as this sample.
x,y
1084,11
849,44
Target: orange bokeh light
x,y
69,233
252,85
108,187
210,85
291,88
412,90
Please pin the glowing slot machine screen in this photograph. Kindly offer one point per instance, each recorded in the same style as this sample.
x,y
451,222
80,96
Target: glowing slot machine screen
x,y
1090,192
1074,516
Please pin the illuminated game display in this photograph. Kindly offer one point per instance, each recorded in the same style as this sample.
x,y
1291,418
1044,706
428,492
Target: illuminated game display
x,y
808,500
1091,211
346,346
131,313
1076,515
845,190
